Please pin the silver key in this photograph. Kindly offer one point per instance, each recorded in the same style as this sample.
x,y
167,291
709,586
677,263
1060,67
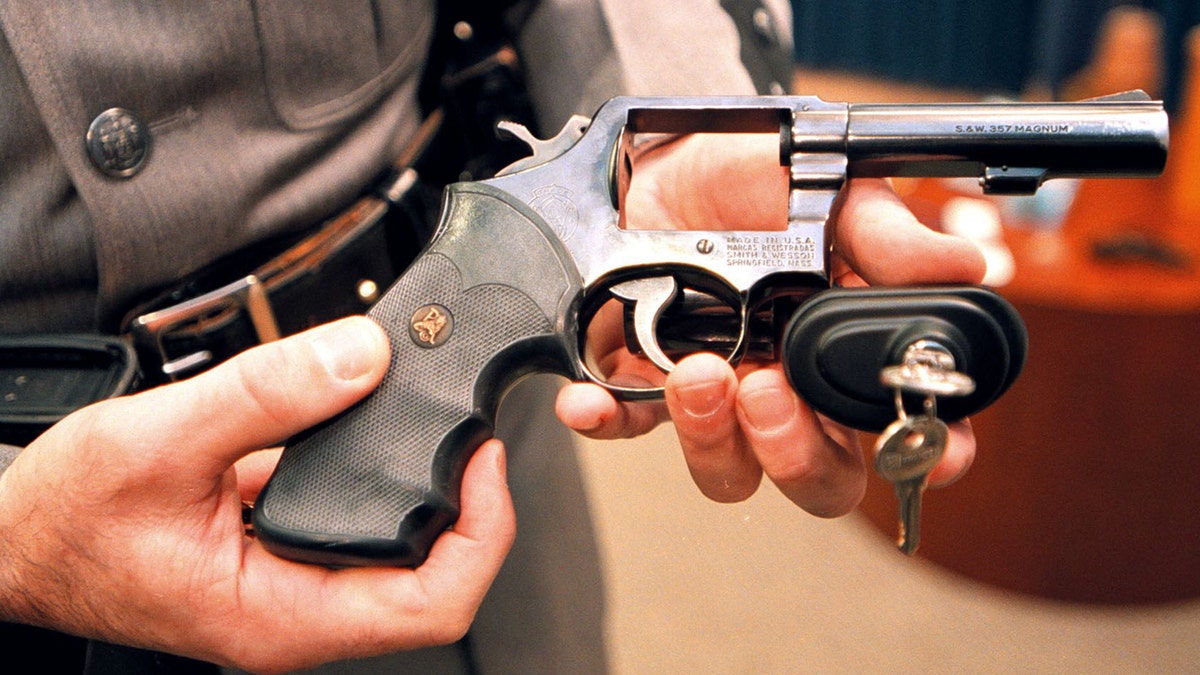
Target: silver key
x,y
905,454
927,368
910,447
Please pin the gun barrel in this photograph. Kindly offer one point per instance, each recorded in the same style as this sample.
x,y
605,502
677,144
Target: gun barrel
x,y
1011,146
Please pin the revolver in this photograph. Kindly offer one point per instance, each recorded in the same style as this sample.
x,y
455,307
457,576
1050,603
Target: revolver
x,y
521,263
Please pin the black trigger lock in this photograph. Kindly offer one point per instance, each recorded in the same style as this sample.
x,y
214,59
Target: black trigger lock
x,y
840,340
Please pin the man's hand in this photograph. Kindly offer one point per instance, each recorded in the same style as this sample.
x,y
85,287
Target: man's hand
x,y
733,427
124,521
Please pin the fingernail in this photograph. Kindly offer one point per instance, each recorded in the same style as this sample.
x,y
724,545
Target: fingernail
x,y
701,400
345,348
770,409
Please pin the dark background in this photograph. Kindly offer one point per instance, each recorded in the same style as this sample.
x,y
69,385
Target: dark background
x,y
994,46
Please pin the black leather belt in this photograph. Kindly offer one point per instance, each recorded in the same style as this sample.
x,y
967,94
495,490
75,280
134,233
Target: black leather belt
x,y
337,271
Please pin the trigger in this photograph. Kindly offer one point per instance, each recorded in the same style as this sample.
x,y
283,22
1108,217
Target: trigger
x,y
650,296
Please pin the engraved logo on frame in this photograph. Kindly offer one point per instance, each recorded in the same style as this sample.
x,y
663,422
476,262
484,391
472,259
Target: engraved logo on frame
x,y
553,203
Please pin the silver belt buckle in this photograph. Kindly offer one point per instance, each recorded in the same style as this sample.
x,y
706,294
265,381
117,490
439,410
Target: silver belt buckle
x,y
246,293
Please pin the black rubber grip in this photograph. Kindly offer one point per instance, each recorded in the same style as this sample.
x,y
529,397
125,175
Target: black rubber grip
x,y
480,307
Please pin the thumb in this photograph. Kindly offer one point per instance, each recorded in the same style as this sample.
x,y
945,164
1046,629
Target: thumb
x,y
886,245
261,396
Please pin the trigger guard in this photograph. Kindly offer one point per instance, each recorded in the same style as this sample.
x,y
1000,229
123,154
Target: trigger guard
x,y
652,295
628,394
631,394
624,393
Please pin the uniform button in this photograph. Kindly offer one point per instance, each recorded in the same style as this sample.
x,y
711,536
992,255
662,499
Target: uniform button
x,y
118,143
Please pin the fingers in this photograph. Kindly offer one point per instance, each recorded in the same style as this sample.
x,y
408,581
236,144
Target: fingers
x,y
266,394
960,454
883,242
731,433
253,470
701,395
590,410
464,560
315,614
823,476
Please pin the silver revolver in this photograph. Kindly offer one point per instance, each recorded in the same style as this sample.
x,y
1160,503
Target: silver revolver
x,y
520,264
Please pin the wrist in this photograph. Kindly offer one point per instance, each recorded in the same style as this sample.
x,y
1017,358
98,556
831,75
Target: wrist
x,y
31,584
